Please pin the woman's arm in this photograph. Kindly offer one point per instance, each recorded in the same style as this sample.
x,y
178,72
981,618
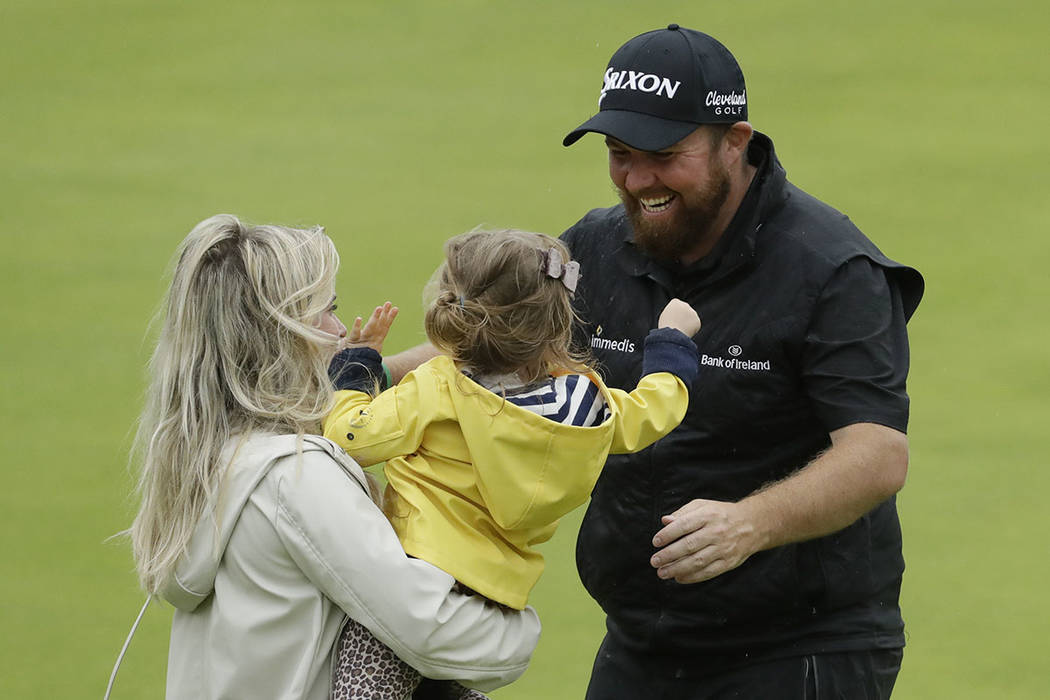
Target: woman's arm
x,y
342,542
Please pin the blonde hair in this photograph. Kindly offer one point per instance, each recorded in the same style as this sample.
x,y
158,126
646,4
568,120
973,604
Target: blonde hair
x,y
496,311
238,351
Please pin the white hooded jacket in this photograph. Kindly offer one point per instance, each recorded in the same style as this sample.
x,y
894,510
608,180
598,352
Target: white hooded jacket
x,y
264,589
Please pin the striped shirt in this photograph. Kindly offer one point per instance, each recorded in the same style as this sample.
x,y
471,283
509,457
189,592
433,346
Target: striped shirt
x,y
571,399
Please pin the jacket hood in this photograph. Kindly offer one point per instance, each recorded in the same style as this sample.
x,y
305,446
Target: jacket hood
x,y
249,459
502,435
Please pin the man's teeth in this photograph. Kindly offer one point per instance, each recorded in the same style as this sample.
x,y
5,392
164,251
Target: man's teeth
x,y
656,203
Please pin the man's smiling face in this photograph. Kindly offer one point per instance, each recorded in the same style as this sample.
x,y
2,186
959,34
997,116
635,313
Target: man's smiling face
x,y
674,196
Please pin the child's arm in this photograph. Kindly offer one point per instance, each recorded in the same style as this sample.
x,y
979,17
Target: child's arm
x,y
369,427
373,429
374,331
519,498
659,402
359,366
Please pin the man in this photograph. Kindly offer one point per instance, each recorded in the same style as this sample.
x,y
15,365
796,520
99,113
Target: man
x,y
755,552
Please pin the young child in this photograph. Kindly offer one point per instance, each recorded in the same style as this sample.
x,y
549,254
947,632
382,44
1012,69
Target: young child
x,y
489,445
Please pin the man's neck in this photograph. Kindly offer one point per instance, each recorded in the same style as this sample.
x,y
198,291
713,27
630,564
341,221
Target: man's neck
x,y
738,187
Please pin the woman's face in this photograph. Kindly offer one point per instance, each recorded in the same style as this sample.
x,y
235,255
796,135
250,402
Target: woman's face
x,y
330,323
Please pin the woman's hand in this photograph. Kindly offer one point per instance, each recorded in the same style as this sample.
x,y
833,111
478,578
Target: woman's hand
x,y
373,332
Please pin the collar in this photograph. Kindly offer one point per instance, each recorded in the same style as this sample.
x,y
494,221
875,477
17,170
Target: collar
x,y
496,383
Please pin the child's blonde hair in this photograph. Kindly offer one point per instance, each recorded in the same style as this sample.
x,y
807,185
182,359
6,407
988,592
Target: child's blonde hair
x,y
496,310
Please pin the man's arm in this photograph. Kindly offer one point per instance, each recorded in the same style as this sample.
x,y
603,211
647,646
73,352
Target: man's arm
x,y
854,367
865,465
405,361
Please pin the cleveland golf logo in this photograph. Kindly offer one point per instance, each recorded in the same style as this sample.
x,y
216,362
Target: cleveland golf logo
x,y
637,80
726,103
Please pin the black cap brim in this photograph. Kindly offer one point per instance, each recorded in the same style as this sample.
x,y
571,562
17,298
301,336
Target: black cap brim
x,y
637,130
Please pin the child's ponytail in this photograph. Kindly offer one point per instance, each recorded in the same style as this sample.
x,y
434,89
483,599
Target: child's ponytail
x,y
496,309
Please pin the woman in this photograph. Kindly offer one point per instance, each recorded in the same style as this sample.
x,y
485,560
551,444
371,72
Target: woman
x,y
264,536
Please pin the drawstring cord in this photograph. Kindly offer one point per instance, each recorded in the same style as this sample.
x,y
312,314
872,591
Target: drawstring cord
x,y
127,643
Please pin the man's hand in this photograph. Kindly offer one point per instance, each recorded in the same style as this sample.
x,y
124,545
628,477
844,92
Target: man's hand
x,y
866,464
373,332
704,539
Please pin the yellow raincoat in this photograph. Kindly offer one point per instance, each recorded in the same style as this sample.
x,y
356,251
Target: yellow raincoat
x,y
476,482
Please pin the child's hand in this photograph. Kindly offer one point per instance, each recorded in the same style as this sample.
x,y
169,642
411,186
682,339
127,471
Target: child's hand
x,y
375,329
678,314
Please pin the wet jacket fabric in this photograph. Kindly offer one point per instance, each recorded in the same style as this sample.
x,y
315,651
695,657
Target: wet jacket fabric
x,y
475,482
291,547
803,333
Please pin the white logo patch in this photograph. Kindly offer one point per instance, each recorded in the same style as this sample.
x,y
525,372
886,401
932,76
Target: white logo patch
x,y
731,103
637,80
621,345
735,362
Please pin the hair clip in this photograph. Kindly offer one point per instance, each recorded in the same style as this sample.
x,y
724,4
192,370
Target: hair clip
x,y
555,267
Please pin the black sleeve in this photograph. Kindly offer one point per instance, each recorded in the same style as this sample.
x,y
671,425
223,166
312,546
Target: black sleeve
x,y
359,369
855,364
670,350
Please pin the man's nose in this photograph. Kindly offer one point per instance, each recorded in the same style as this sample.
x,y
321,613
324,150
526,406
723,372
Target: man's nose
x,y
639,176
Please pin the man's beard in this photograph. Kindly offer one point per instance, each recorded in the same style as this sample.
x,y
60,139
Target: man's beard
x,y
675,237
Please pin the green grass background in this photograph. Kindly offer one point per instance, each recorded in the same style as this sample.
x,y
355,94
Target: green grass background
x,y
398,124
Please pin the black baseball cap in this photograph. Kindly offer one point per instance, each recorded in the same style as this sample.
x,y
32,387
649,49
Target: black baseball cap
x,y
661,85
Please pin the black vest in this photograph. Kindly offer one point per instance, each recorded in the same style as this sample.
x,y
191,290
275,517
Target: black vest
x,y
750,422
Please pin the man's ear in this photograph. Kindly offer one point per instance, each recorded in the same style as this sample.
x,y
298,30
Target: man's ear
x,y
737,139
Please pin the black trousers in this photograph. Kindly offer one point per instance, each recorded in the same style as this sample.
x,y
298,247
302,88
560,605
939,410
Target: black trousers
x,y
859,675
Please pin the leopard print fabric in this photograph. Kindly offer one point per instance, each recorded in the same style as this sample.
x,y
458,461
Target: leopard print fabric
x,y
366,669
